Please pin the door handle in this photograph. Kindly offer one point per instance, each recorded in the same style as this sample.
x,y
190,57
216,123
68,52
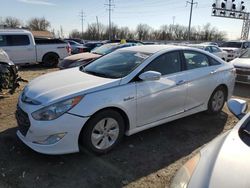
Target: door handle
x,y
180,82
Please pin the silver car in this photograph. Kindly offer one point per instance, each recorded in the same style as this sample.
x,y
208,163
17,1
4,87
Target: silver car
x,y
224,162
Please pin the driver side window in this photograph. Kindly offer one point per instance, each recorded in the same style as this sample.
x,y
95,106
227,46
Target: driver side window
x,y
168,63
195,60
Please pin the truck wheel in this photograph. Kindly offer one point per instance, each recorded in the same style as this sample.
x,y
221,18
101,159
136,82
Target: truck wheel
x,y
50,60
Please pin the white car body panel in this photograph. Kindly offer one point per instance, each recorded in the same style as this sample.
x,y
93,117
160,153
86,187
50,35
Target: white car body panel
x,y
242,66
23,54
166,99
224,162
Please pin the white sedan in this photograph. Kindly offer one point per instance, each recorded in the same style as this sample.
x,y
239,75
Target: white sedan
x,y
224,162
122,93
212,49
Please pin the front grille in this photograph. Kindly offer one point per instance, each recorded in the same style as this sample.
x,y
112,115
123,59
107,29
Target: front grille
x,y
241,78
242,71
22,121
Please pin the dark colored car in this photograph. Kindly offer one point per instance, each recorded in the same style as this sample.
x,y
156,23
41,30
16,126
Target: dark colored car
x,y
91,45
76,47
85,58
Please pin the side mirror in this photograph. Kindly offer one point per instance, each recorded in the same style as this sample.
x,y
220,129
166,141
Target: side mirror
x,y
150,76
237,107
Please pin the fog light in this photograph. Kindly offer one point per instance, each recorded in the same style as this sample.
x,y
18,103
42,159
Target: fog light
x,y
52,139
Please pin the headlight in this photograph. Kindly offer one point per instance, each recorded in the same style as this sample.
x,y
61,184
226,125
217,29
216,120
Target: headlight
x,y
56,110
184,175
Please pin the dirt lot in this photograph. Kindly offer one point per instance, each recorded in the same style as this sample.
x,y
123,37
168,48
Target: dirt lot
x,y
147,159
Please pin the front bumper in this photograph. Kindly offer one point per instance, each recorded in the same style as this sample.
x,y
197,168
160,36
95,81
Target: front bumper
x,y
39,131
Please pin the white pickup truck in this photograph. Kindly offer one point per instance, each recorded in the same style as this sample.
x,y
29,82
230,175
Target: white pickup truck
x,y
22,48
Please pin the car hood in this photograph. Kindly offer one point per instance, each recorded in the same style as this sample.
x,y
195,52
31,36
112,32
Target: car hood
x,y
64,84
224,162
241,62
82,56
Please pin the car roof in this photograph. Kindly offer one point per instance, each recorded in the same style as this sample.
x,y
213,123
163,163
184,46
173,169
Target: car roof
x,y
151,49
14,31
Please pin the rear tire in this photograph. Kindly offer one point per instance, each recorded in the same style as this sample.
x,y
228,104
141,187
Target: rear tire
x,y
217,100
50,60
103,131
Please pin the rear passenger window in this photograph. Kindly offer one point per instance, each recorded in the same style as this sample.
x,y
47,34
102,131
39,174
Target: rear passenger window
x,y
166,64
195,60
17,40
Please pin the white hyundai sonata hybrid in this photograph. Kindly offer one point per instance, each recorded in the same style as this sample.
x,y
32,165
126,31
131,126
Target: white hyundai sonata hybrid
x,y
122,93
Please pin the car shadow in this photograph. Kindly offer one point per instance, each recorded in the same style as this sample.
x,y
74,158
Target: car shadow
x,y
137,156
242,90
34,67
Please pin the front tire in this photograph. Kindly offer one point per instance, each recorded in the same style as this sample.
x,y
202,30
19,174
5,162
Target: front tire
x,y
103,131
217,100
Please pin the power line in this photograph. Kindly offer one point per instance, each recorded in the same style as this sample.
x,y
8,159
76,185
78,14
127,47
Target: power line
x,y
110,8
190,18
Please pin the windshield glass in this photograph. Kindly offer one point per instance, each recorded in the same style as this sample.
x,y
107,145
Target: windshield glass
x,y
116,65
105,49
232,44
246,54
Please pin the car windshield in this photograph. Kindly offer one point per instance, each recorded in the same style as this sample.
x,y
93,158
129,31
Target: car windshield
x,y
232,44
105,49
115,65
246,54
199,47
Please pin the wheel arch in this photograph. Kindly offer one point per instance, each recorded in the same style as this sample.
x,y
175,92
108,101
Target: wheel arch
x,y
50,53
119,110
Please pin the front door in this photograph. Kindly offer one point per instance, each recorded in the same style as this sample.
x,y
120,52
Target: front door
x,y
157,100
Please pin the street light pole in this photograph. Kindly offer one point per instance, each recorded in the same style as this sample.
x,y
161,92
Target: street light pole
x,y
190,18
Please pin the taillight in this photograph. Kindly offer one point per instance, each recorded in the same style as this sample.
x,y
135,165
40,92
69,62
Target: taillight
x,y
68,49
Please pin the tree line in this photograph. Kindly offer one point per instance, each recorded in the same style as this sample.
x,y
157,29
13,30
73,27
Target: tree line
x,y
142,32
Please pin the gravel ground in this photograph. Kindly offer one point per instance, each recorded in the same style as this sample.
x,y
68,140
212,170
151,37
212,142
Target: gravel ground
x,y
147,159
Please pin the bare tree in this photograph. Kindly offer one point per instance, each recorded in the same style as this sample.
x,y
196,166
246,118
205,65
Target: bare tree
x,y
143,31
39,24
11,22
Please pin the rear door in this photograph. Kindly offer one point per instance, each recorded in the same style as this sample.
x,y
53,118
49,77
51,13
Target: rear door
x,y
202,78
19,48
159,99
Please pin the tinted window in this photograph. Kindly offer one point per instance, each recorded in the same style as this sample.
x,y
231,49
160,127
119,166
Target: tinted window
x,y
215,49
208,49
214,62
166,64
3,41
195,60
17,40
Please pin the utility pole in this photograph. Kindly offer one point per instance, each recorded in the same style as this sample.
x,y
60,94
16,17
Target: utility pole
x,y
110,8
82,16
98,29
173,20
190,18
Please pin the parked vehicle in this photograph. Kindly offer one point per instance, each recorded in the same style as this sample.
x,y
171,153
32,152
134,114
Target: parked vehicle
x,y
80,41
124,92
235,48
212,49
242,65
210,43
85,58
76,47
224,161
9,79
22,48
91,45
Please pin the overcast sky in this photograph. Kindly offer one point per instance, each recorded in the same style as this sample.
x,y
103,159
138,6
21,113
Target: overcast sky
x,y
66,13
